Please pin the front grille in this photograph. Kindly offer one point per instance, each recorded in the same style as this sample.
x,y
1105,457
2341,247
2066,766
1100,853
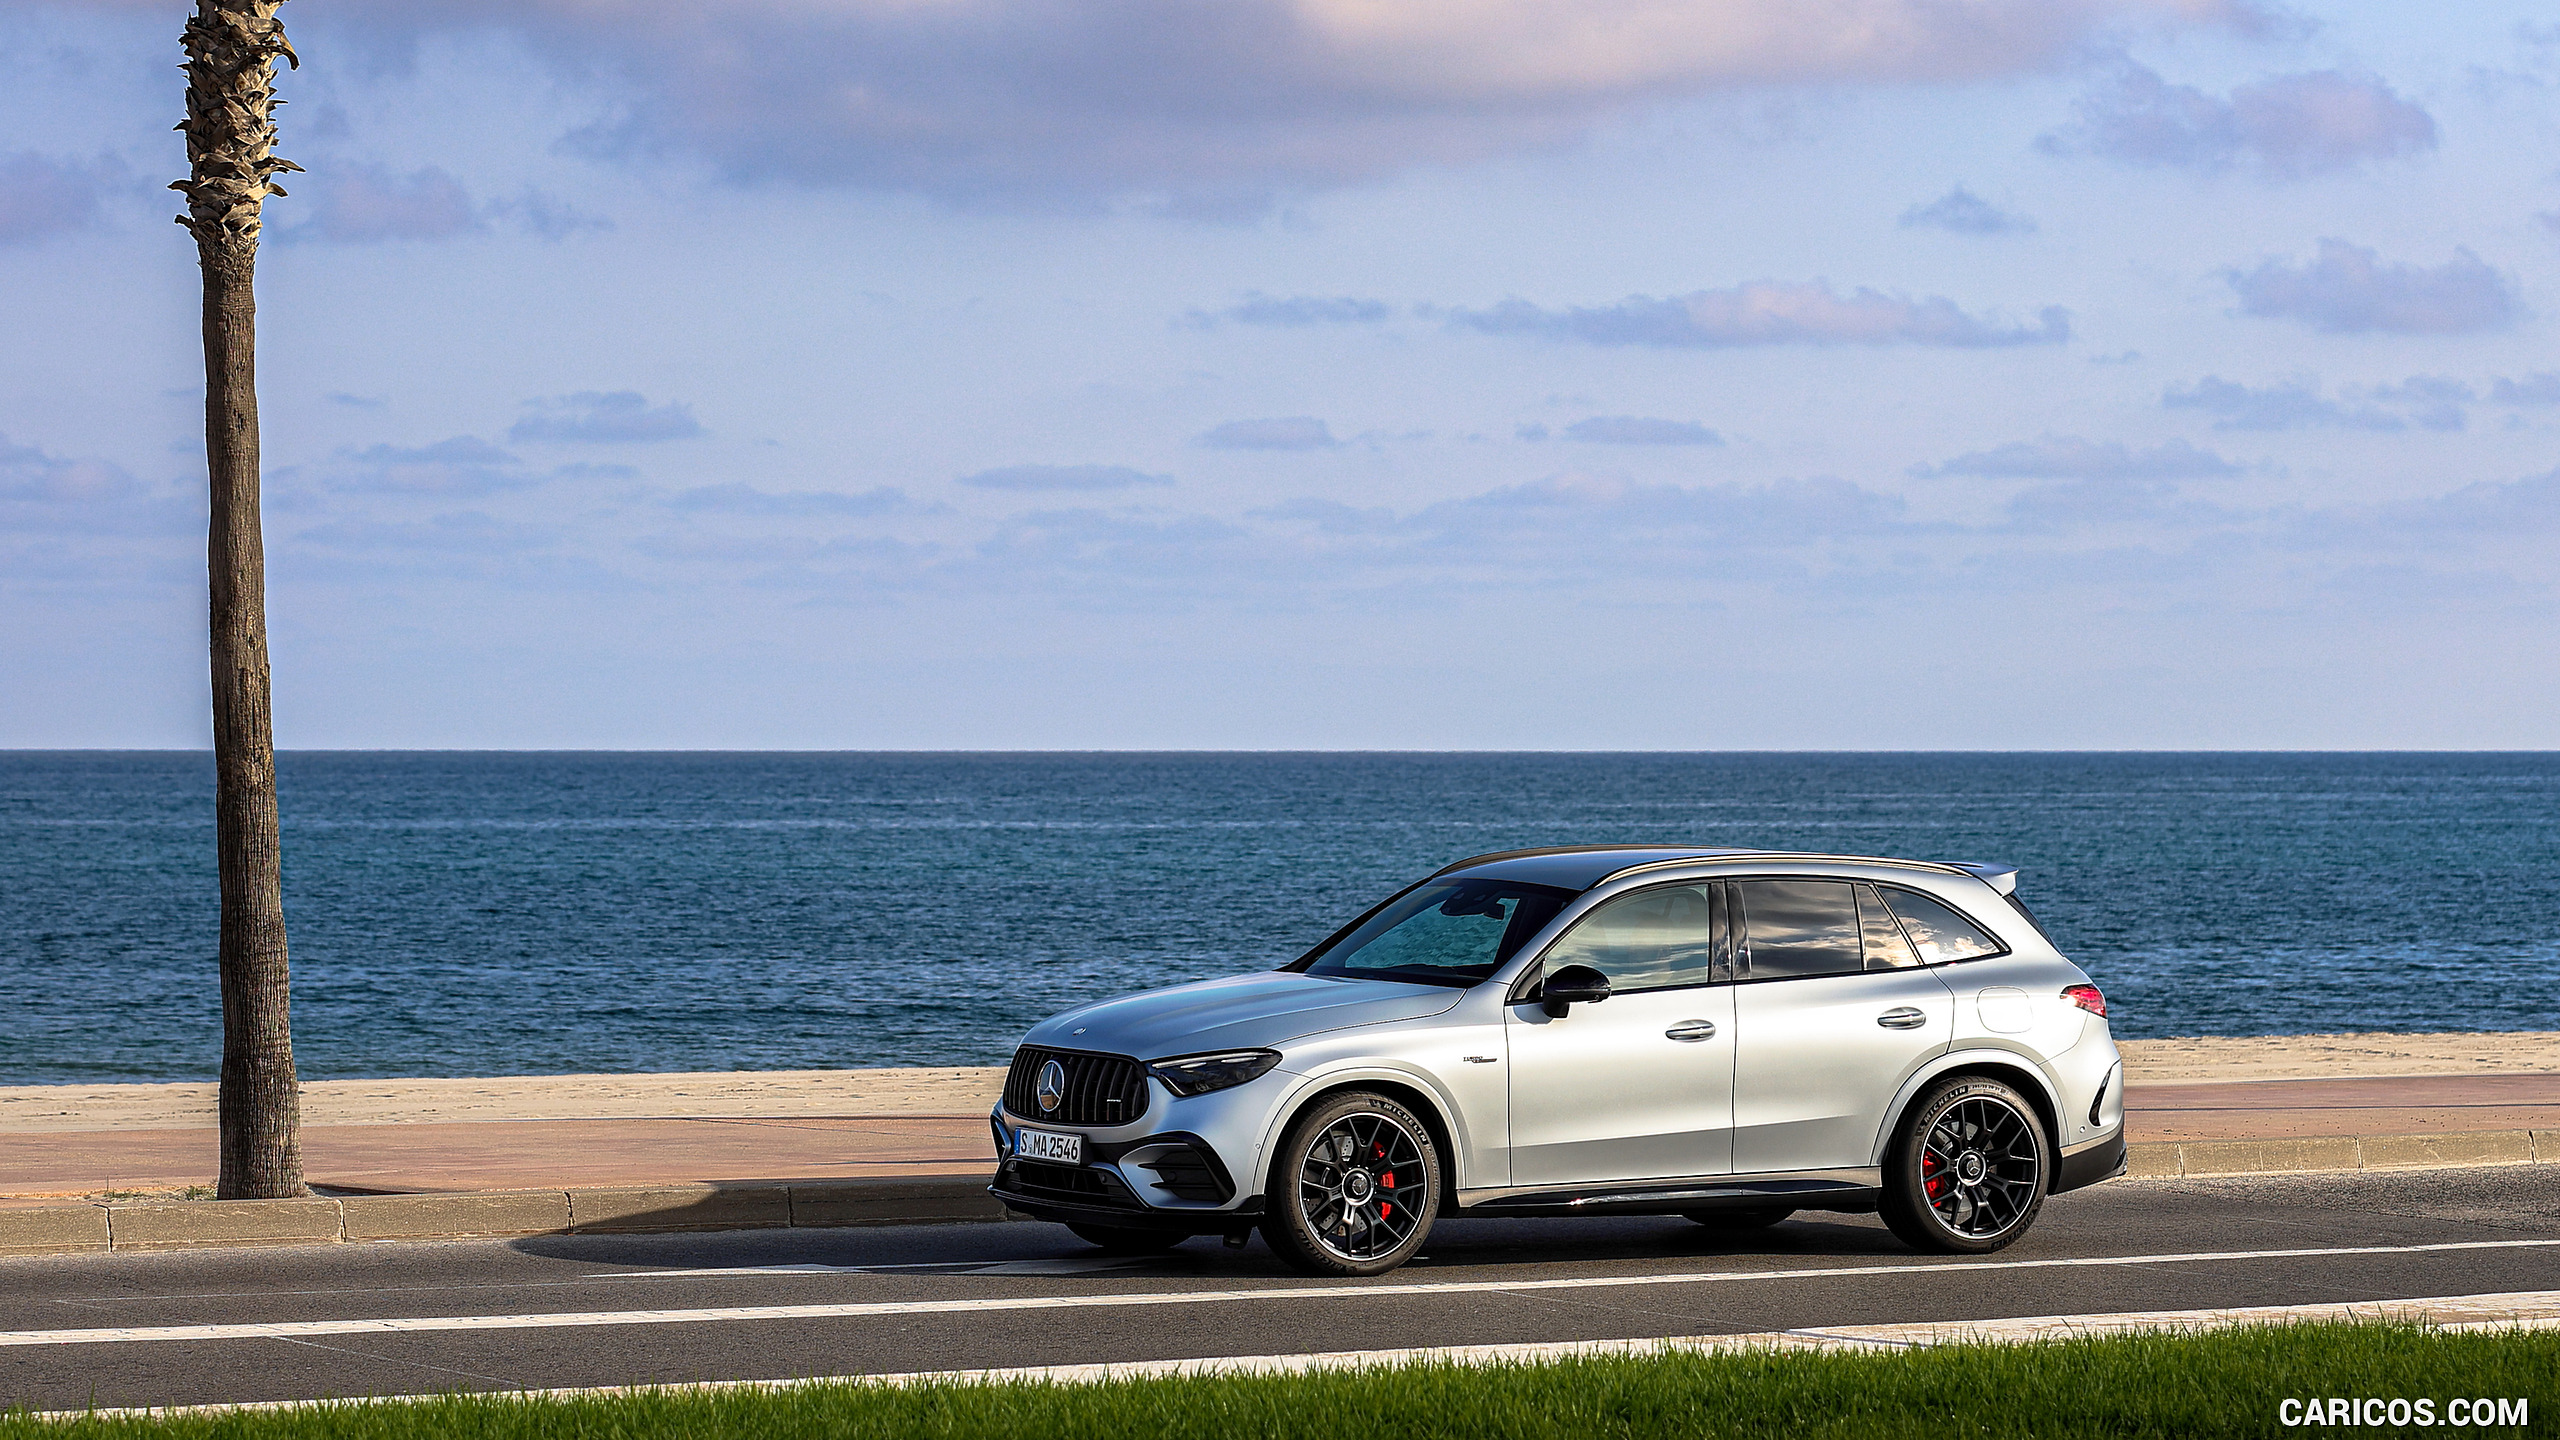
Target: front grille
x,y
1100,1089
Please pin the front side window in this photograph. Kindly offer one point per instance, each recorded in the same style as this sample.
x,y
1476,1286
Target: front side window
x,y
1938,933
1801,927
1651,940
1442,932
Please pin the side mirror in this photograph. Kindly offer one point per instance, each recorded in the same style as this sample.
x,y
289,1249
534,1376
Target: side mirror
x,y
1573,985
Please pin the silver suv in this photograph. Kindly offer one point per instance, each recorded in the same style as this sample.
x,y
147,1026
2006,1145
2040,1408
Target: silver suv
x,y
1729,1035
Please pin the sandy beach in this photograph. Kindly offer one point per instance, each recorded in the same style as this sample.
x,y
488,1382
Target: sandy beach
x,y
969,1091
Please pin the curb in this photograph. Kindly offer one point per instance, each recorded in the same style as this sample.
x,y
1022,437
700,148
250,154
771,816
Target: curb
x,y
495,1214
960,1199
2458,1149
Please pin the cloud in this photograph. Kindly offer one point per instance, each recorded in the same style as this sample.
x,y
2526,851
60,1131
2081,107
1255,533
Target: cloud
x,y
2068,457
2432,402
1294,311
2429,402
1064,477
2486,508
42,197
2481,511
617,417
466,531
460,450
461,465
363,204
740,499
1767,312
1965,213
1287,432
29,474
1641,430
2539,388
2076,504
2348,290
2288,127
1214,108
1576,519
2293,405
42,493
544,216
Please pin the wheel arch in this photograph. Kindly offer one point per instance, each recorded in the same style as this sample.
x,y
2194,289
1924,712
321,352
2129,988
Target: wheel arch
x,y
1401,1089
2015,1071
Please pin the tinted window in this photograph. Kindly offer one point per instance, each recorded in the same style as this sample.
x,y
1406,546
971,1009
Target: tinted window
x,y
1442,932
1938,933
1886,949
1650,940
1801,927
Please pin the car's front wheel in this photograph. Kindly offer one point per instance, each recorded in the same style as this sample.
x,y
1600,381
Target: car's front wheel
x,y
1353,1188
1968,1169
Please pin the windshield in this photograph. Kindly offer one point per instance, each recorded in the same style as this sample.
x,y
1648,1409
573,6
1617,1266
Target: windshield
x,y
1441,932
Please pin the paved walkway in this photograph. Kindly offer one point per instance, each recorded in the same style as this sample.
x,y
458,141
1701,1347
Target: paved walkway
x,y
539,1154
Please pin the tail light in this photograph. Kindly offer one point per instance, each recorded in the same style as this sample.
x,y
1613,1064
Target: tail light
x,y
2087,998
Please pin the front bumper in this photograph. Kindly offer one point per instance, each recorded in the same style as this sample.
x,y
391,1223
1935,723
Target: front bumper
x,y
1162,1180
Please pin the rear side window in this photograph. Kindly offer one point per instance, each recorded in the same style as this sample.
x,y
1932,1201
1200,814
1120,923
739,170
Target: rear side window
x,y
1885,946
1801,927
1650,940
1938,933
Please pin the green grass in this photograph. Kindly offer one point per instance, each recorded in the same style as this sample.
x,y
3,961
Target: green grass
x,y
2226,1383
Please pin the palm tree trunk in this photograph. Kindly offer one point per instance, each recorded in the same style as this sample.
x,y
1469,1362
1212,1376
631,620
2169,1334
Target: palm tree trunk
x,y
232,47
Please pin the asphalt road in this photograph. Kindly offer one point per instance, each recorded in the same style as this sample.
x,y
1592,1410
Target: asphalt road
x,y
969,1296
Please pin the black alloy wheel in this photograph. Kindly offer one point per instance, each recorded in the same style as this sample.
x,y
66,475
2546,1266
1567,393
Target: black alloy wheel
x,y
1759,1217
1115,1240
1968,1169
1354,1187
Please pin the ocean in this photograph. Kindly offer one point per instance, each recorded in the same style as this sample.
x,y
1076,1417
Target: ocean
x,y
536,913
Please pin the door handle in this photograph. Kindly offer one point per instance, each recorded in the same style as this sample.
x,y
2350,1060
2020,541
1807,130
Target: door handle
x,y
1692,1030
1902,1017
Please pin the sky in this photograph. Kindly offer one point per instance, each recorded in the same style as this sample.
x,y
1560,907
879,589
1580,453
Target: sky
x,y
1326,374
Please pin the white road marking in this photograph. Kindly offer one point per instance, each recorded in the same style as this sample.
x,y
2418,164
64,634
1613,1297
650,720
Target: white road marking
x,y
2513,1310
412,1324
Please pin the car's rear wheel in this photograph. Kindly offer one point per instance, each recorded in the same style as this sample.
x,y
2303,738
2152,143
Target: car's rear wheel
x,y
1740,1221
1115,1240
1968,1169
1353,1188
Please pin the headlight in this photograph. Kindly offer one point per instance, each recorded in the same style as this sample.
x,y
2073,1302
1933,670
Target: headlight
x,y
1200,1074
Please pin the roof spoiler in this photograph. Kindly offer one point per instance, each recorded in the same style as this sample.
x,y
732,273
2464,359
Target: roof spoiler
x,y
2003,878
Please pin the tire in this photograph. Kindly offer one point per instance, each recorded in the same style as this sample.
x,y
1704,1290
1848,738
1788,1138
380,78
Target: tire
x,y
1113,1240
1739,1221
1968,1168
1354,1187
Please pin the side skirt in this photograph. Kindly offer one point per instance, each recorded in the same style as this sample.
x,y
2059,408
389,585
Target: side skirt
x,y
1851,1190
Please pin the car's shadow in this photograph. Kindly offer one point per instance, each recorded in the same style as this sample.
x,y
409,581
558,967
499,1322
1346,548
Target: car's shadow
x,y
1030,1249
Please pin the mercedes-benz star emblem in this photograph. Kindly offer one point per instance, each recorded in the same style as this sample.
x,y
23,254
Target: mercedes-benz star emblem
x,y
1053,1086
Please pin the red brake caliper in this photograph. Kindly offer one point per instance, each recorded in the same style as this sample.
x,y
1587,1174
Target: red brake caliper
x,y
1932,1181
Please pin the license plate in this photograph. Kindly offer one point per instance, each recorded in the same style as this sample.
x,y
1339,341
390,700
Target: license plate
x,y
1043,1145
